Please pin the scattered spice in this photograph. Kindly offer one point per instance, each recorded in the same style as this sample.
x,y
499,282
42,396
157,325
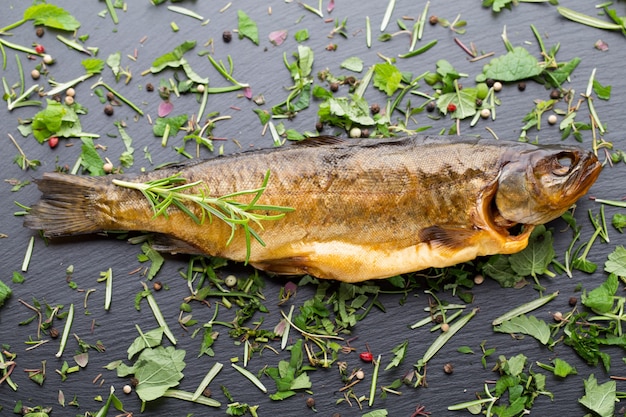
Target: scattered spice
x,y
108,110
227,36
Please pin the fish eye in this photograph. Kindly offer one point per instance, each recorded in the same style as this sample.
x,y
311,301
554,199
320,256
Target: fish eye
x,y
562,164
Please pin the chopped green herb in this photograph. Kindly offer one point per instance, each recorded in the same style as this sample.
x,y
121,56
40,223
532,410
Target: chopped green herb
x,y
247,27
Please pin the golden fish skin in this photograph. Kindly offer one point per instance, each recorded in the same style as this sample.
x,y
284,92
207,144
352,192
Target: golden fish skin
x,y
364,209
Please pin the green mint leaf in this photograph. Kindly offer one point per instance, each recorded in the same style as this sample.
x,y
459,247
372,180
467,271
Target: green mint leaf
x,y
601,299
499,269
536,257
5,293
387,77
90,158
56,119
528,325
247,27
305,61
172,59
616,264
344,112
599,398
353,64
619,221
51,16
264,115
399,354
516,65
463,100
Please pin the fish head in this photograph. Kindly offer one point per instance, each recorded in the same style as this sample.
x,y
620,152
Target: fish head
x,y
538,185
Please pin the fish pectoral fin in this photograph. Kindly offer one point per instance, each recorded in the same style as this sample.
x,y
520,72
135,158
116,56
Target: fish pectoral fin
x,y
165,243
293,265
448,239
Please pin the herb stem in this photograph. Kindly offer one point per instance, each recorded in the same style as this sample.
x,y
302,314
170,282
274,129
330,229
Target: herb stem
x,y
524,308
217,367
101,83
157,314
374,381
112,11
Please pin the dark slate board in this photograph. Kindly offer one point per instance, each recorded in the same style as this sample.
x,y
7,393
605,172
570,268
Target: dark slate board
x,y
262,67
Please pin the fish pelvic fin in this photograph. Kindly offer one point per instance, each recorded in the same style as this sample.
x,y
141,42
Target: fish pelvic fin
x,y
447,239
67,205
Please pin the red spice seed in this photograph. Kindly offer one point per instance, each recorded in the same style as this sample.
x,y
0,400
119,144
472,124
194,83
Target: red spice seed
x,y
40,49
53,141
451,107
366,356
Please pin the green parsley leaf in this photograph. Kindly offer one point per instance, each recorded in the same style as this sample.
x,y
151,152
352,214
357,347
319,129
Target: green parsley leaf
x,y
599,398
153,256
247,27
498,5
516,65
616,264
56,119
529,325
343,111
51,16
387,77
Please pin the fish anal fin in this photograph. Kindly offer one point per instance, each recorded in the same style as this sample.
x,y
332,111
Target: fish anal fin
x,y
169,244
293,265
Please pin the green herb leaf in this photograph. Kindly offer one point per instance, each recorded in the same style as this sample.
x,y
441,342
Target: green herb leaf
x,y
376,413
619,221
601,299
145,340
499,269
155,258
562,368
536,257
616,263
90,158
174,123
5,293
353,64
172,59
387,77
516,65
599,398
399,354
156,369
301,35
465,349
56,119
528,325
51,16
247,27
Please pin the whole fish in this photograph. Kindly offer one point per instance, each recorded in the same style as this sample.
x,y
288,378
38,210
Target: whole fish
x,y
364,209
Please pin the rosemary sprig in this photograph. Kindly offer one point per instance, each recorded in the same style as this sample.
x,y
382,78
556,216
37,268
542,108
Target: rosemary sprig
x,y
165,192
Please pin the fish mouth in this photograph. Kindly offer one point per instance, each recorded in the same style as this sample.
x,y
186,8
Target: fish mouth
x,y
583,176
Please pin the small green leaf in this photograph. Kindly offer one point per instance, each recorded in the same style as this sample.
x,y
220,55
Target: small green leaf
x,y
599,398
353,64
145,340
302,35
536,257
51,16
376,413
562,368
528,325
90,158
619,221
399,354
602,91
387,77
616,263
601,299
174,123
516,65
247,27
5,293
172,59
465,349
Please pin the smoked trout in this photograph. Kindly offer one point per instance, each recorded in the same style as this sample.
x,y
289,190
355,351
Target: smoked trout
x,y
364,209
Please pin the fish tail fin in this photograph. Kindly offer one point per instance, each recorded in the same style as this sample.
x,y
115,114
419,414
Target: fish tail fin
x,y
67,206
